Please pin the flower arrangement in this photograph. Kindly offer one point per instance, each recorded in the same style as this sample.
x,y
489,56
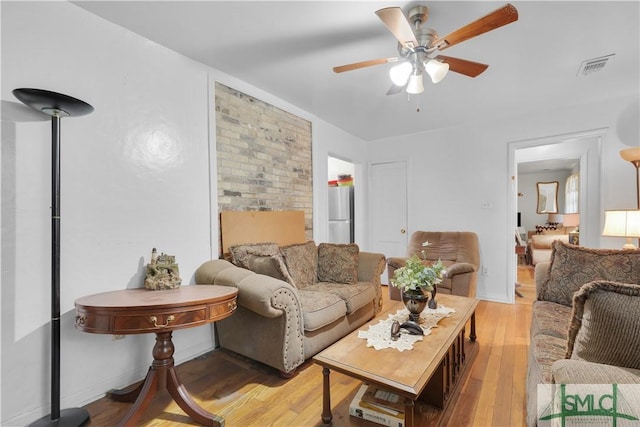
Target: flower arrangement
x,y
415,275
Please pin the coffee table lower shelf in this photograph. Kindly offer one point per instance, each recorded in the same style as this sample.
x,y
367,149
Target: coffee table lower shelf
x,y
426,413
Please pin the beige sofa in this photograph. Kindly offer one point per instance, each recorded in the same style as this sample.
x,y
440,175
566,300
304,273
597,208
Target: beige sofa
x,y
584,323
459,252
540,246
306,298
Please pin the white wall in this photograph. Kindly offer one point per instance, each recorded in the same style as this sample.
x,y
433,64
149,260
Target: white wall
x,y
135,175
455,171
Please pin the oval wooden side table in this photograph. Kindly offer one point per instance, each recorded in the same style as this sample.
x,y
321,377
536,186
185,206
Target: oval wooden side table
x,y
140,311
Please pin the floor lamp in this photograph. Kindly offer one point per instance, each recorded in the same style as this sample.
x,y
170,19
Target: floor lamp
x,y
57,106
633,155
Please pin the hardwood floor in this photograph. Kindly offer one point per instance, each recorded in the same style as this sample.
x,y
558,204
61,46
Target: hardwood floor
x,y
247,393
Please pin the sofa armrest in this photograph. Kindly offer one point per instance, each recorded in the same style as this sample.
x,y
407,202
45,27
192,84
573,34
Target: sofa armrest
x,y
540,274
396,262
370,267
571,371
460,268
261,294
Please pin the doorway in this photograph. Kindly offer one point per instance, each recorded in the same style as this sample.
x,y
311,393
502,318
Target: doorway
x,y
585,146
341,201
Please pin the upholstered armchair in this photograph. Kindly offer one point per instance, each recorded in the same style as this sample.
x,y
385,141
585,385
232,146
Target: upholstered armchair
x,y
459,252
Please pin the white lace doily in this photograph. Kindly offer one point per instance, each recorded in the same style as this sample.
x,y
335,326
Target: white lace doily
x,y
379,335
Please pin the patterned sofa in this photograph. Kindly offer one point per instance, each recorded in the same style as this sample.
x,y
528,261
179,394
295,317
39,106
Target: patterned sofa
x,y
585,323
294,300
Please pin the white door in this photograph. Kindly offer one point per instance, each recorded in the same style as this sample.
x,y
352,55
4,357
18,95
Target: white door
x,y
388,209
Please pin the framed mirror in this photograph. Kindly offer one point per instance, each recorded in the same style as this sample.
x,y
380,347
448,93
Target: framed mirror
x,y
547,197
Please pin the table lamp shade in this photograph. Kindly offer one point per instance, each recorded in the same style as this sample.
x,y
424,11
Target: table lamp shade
x,y
622,223
571,220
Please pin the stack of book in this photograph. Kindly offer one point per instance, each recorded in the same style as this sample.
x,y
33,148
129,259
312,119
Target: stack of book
x,y
378,405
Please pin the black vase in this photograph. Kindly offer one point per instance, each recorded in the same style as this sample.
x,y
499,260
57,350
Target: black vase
x,y
433,304
416,302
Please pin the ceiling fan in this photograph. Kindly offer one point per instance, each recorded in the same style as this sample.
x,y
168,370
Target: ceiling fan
x,y
417,45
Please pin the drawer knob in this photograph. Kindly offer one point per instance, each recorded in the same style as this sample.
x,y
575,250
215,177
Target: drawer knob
x,y
154,320
80,320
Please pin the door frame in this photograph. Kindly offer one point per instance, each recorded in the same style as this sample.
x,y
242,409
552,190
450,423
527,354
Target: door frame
x,y
590,155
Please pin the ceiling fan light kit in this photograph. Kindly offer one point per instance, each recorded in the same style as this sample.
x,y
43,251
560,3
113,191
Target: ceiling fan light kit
x,y
415,85
400,73
417,46
436,70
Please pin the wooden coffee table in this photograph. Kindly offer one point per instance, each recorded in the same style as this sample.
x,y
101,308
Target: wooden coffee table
x,y
430,372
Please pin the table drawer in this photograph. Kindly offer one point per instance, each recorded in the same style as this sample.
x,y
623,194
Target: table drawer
x,y
158,320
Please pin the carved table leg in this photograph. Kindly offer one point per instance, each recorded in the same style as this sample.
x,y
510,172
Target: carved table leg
x,y
326,397
147,391
162,374
472,334
127,394
188,405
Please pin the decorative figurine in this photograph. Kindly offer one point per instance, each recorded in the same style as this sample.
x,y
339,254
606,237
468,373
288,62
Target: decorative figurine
x,y
162,272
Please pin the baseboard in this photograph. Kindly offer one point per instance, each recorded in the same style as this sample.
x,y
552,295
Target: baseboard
x,y
98,389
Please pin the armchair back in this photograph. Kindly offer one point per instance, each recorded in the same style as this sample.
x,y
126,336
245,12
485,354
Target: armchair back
x,y
458,250
456,246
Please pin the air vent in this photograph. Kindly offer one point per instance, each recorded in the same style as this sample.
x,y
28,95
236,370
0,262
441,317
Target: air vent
x,y
594,65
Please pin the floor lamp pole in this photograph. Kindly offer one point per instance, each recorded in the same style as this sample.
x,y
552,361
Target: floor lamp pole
x,y
55,265
57,106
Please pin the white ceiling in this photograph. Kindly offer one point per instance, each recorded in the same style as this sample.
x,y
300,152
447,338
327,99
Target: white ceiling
x,y
289,48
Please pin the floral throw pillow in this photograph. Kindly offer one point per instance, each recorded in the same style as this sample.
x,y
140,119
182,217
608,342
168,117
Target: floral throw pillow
x,y
338,263
302,263
573,266
261,258
605,326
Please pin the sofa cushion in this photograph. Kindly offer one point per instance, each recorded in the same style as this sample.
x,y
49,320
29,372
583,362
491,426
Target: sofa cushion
x,y
261,258
573,266
605,326
338,263
355,296
301,260
582,372
544,351
320,308
550,318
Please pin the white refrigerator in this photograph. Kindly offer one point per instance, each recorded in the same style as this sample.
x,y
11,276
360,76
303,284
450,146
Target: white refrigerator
x,y
341,229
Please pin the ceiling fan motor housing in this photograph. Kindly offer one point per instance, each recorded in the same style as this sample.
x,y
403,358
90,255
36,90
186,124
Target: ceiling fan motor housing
x,y
418,14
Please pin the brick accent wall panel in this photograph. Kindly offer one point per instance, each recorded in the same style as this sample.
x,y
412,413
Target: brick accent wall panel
x,y
264,156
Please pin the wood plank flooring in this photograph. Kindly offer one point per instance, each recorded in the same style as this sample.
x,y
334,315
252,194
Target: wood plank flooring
x,y
247,393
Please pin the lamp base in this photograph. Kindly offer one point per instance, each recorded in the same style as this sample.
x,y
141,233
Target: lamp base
x,y
629,245
72,417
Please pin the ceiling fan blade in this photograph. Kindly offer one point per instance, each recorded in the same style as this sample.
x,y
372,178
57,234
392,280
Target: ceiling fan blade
x,y
397,23
463,66
363,64
496,19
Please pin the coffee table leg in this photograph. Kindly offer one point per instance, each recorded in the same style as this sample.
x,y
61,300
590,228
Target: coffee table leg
x,y
326,397
408,413
472,335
